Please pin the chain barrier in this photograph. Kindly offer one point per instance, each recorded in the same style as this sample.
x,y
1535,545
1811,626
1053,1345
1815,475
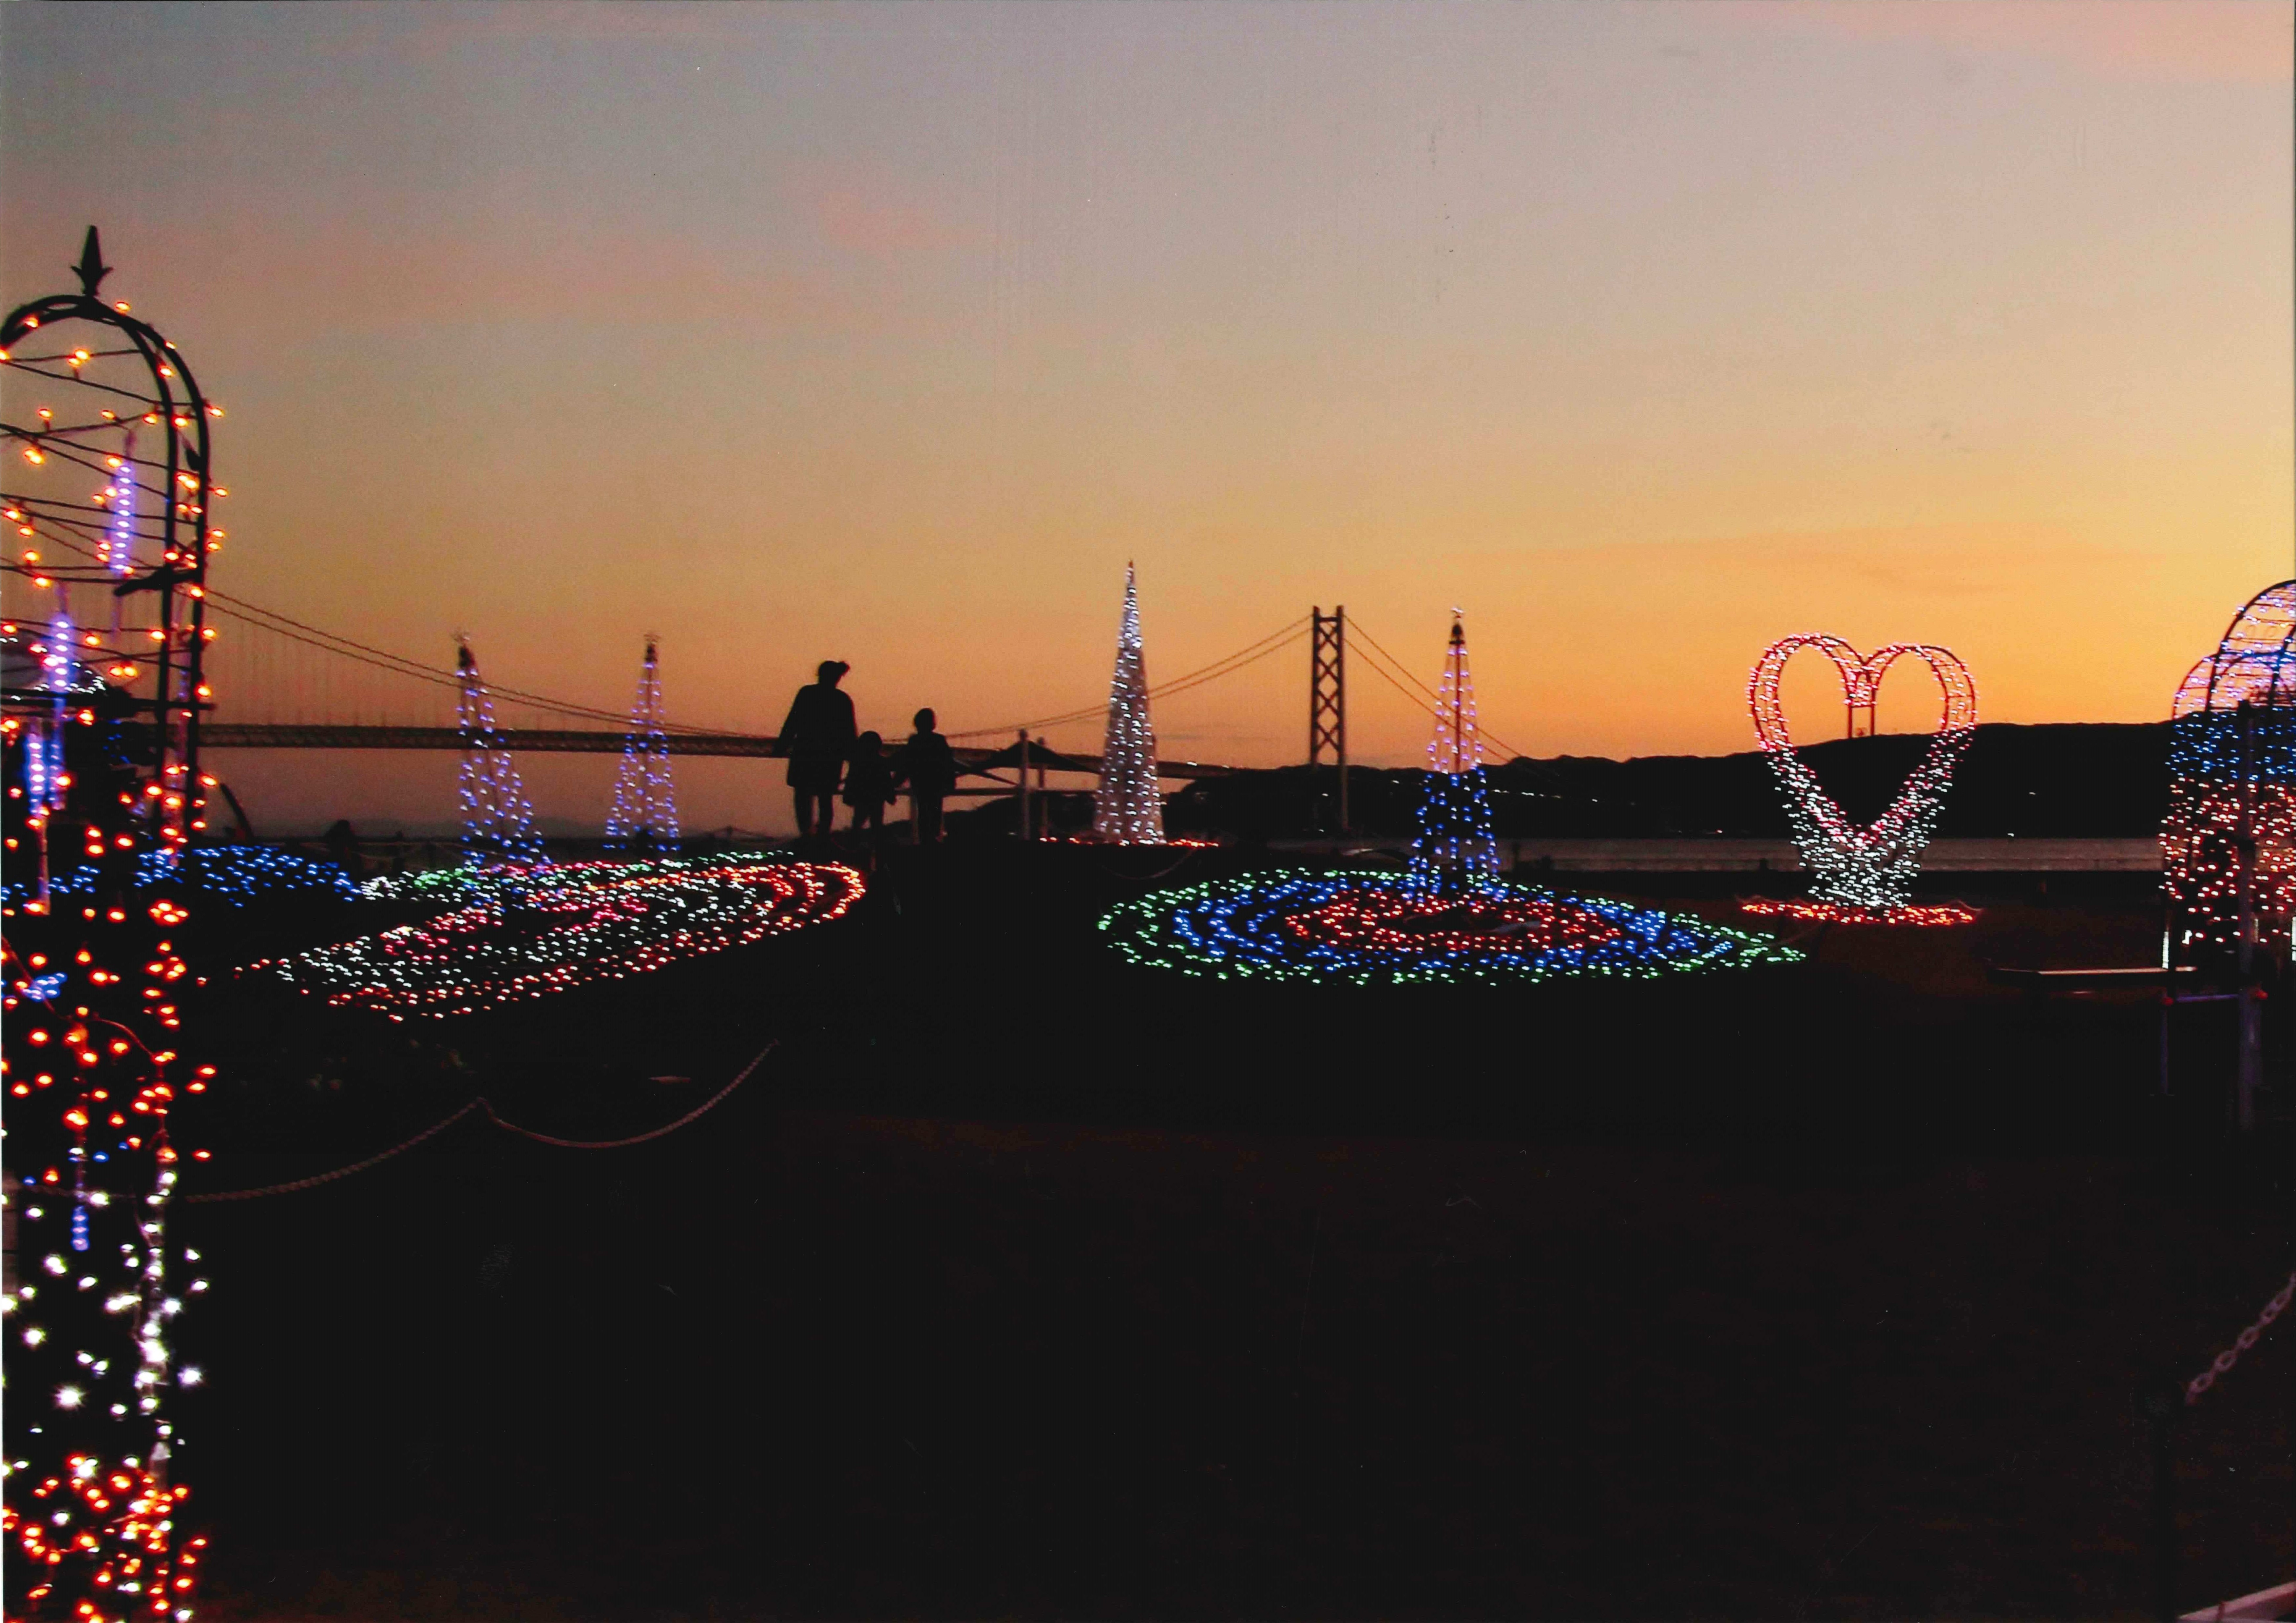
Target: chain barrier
x,y
482,1103
2247,1337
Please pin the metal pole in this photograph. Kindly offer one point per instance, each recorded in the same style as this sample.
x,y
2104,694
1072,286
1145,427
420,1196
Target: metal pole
x,y
2168,1005
1339,689
1027,831
39,833
2249,1066
2159,1400
1458,737
2168,985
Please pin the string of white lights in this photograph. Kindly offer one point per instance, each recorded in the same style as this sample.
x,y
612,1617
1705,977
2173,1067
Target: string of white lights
x,y
1127,808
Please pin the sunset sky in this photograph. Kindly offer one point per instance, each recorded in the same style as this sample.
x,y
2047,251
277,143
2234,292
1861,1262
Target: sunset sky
x,y
1643,333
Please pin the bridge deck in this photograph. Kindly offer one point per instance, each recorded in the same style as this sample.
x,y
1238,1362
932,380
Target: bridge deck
x,y
242,735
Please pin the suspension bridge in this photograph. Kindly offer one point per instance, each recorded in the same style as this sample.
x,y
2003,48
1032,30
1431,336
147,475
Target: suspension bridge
x,y
344,694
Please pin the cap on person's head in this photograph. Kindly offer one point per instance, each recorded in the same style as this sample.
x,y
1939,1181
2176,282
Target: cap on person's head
x,y
830,670
923,721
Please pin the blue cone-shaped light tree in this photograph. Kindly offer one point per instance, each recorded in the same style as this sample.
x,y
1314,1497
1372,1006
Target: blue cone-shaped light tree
x,y
1454,852
1127,809
498,823
644,815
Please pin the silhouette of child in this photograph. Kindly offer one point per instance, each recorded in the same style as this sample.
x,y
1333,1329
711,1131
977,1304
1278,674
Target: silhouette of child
x,y
868,782
929,766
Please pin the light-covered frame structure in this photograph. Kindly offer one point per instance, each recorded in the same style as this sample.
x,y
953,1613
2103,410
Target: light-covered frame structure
x,y
1866,871
2228,839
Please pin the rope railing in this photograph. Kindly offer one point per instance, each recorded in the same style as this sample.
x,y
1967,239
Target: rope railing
x,y
431,1131
695,1114
495,1116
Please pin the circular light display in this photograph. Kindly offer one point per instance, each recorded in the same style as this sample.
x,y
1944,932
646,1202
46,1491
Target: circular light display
x,y
526,934
1369,929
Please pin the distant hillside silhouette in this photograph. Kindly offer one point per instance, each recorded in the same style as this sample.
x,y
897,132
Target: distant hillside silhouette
x,y
2062,779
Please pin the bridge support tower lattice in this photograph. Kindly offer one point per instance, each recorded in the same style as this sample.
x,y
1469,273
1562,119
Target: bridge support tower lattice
x,y
1327,712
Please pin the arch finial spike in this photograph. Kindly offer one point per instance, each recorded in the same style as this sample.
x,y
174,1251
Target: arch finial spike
x,y
91,268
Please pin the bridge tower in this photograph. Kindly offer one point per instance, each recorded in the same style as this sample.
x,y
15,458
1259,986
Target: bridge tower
x,y
1327,708
498,823
644,815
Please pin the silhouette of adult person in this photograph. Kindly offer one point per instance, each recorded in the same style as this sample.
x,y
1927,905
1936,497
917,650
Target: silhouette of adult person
x,y
816,738
929,767
342,845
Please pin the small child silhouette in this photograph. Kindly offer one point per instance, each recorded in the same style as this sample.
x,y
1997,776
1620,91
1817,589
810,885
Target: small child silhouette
x,y
929,766
868,782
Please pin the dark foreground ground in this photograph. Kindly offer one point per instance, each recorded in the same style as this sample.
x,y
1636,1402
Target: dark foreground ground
x,y
1019,1284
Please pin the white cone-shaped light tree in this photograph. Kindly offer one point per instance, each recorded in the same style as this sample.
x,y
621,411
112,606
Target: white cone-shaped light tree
x,y
1126,808
1456,852
643,816
498,823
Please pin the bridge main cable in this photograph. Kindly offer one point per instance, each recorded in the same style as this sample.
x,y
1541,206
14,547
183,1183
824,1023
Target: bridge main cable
x,y
1402,681
1227,665
343,647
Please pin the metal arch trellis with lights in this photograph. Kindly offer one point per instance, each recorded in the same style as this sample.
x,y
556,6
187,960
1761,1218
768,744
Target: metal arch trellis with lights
x,y
1449,917
93,975
138,422
2228,840
1864,875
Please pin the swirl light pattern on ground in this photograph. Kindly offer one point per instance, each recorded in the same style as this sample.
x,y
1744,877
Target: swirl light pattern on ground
x,y
1367,928
551,929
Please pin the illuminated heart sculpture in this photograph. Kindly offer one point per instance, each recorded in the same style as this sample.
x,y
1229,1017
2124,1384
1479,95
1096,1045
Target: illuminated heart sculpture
x,y
1865,871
